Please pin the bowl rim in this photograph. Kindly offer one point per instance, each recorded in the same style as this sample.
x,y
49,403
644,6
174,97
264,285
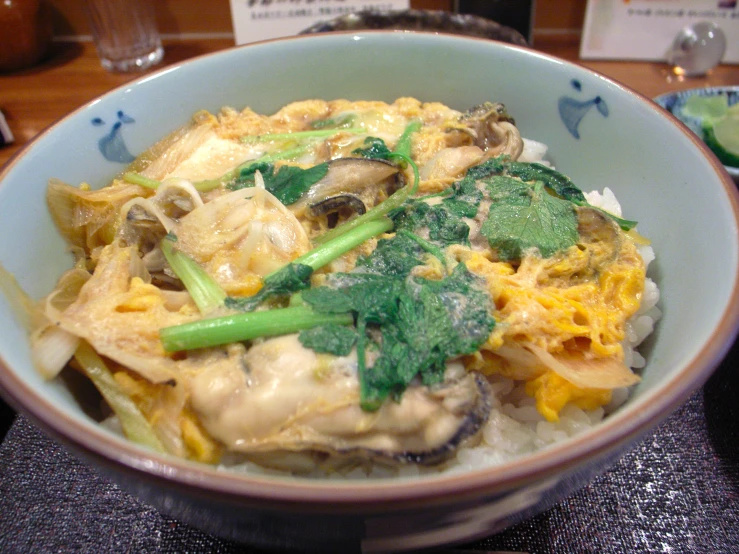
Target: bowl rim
x,y
296,494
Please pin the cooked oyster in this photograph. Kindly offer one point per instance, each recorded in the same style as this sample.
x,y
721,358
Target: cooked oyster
x,y
293,409
492,129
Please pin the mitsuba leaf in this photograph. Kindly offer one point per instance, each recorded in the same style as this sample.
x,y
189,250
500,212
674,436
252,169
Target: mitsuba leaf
x,y
524,215
374,148
396,256
421,323
557,182
444,226
465,198
288,183
291,278
329,339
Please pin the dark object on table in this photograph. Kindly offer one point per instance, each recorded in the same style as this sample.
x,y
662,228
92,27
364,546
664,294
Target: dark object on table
x,y
513,13
6,135
7,416
25,33
420,20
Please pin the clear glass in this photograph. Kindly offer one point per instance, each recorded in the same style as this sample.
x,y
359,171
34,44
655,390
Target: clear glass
x,y
125,34
697,49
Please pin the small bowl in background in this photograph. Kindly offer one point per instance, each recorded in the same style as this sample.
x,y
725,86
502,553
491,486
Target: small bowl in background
x,y
420,20
674,102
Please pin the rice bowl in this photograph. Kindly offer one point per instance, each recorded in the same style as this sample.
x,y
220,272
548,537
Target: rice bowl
x,y
689,339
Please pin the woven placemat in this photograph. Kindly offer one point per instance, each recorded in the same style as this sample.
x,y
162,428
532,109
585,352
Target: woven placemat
x,y
677,491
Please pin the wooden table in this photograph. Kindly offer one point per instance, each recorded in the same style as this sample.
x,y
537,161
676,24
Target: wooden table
x,y
33,99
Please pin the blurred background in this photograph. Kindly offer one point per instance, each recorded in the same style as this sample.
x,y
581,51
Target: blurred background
x,y
188,18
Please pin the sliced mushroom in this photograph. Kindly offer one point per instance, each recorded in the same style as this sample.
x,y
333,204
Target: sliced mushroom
x,y
336,203
368,180
337,206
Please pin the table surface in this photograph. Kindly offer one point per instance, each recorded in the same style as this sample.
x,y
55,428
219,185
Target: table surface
x,y
678,491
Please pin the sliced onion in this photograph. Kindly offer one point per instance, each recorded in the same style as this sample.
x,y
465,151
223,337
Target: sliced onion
x,y
150,207
173,150
597,373
525,364
52,347
182,185
66,292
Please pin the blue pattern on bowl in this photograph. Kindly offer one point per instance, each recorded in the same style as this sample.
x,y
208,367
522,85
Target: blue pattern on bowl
x,y
572,111
112,146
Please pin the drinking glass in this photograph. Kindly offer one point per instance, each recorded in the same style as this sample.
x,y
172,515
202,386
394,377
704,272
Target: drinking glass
x,y
125,34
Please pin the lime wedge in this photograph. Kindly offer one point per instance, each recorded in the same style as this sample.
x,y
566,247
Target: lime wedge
x,y
723,138
733,111
707,108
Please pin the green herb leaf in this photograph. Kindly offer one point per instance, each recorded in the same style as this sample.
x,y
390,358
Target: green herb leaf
x,y
291,278
288,183
524,215
444,226
374,148
553,180
422,324
329,339
396,256
465,198
556,182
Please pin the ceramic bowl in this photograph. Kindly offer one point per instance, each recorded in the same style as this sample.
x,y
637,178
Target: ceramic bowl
x,y
600,133
420,20
674,102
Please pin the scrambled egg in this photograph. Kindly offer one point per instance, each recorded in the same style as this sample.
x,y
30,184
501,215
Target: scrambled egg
x,y
561,304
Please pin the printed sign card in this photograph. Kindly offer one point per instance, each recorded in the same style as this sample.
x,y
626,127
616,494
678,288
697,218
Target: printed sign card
x,y
646,29
255,20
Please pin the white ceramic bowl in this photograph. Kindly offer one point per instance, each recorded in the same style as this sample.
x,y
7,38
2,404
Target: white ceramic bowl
x,y
599,132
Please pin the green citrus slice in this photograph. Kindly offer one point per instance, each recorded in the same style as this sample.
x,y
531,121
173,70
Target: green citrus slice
x,y
706,108
733,110
723,139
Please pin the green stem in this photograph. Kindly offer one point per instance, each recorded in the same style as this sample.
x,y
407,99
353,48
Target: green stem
x,y
426,245
204,290
403,146
328,251
138,179
316,133
246,326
